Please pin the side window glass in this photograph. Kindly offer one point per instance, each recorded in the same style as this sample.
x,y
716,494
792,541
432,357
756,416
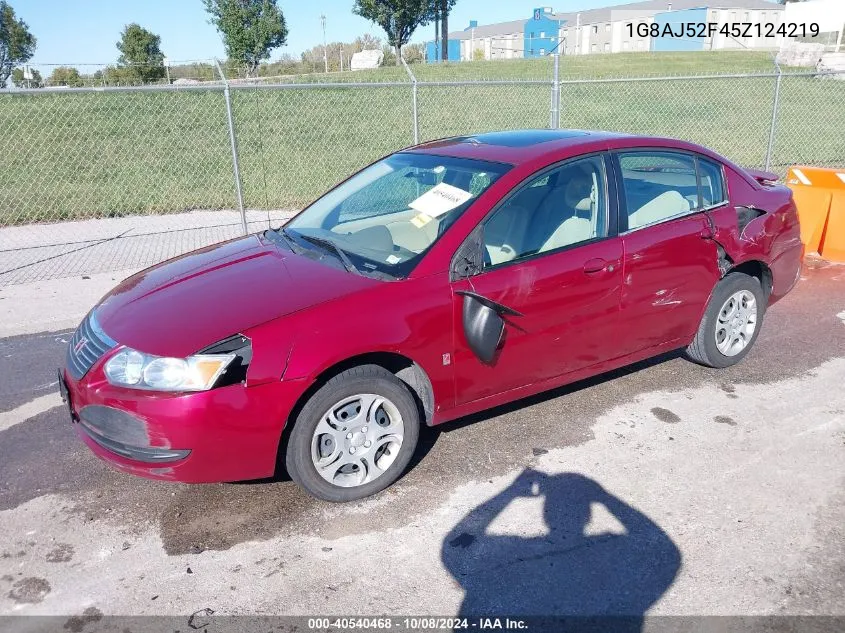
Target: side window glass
x,y
712,183
560,208
658,186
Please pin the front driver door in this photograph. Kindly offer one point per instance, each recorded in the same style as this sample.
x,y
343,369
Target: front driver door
x,y
551,254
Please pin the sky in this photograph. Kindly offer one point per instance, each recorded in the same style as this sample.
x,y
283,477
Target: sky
x,y
79,32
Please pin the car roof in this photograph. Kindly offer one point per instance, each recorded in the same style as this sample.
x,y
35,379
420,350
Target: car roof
x,y
519,146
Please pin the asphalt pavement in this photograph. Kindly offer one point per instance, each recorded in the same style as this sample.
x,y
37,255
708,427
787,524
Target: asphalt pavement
x,y
665,488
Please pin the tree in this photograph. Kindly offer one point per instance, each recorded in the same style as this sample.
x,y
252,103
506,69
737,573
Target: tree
x,y
366,42
22,82
312,59
65,76
398,18
17,44
286,64
413,53
443,11
389,56
140,53
120,76
251,29
436,27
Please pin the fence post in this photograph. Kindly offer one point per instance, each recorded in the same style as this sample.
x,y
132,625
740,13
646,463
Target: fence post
x,y
234,142
773,126
413,101
554,115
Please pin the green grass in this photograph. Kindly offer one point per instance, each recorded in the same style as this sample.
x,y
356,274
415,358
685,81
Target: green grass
x,y
97,154
571,67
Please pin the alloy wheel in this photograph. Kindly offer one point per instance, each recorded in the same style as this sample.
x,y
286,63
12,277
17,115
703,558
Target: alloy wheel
x,y
357,440
736,323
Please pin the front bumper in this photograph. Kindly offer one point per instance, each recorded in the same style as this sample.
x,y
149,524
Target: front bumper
x,y
230,433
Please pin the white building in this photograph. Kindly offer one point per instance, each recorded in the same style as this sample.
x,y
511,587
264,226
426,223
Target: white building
x,y
828,14
493,41
628,27
624,28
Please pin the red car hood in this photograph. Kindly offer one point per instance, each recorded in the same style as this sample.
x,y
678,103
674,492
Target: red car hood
x,y
183,305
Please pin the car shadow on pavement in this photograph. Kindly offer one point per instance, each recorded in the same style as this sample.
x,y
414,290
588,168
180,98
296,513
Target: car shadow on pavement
x,y
599,575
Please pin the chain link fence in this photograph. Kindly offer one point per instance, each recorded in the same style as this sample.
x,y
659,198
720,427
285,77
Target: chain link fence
x,y
114,178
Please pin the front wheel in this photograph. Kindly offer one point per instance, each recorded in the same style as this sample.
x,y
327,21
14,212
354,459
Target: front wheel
x,y
355,436
731,323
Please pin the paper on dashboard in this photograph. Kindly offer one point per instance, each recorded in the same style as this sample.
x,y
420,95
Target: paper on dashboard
x,y
440,199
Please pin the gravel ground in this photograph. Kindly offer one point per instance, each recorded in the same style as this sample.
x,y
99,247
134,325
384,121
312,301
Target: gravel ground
x,y
664,488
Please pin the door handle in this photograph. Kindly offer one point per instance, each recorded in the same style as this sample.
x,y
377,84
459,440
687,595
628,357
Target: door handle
x,y
597,265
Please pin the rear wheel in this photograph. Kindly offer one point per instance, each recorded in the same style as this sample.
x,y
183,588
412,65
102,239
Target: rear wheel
x,y
731,323
355,436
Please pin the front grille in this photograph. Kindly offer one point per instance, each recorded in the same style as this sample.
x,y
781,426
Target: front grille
x,y
81,357
125,435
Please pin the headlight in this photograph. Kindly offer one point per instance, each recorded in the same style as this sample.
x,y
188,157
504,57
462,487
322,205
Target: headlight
x,y
130,368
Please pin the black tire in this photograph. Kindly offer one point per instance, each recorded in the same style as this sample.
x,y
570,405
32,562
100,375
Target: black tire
x,y
358,380
703,349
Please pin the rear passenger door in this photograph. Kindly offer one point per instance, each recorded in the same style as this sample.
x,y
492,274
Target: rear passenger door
x,y
670,260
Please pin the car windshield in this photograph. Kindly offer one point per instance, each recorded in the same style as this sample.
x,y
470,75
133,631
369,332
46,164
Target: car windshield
x,y
383,219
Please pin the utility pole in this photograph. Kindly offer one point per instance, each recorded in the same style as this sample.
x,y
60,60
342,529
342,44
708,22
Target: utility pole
x,y
325,48
341,58
444,29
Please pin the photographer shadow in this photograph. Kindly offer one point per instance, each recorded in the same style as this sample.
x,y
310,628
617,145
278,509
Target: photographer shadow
x,y
599,578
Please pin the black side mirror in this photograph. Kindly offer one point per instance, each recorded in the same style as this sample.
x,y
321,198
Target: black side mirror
x,y
483,323
483,328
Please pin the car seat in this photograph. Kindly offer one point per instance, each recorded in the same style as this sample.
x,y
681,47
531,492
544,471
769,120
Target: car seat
x,y
664,206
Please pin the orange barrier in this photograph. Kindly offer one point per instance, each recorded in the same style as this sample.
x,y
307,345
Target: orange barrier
x,y
820,197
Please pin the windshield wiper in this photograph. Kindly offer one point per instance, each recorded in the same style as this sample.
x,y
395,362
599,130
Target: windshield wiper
x,y
321,241
288,238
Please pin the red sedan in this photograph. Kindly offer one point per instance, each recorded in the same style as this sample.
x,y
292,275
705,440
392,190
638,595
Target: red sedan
x,y
447,278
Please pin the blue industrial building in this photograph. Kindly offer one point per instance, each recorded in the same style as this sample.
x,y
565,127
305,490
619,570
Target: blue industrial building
x,y
434,50
541,33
